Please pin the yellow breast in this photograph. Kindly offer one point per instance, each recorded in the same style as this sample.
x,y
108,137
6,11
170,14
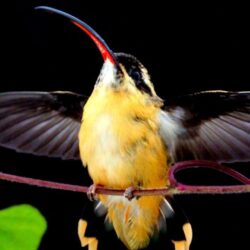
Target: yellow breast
x,y
119,140
120,143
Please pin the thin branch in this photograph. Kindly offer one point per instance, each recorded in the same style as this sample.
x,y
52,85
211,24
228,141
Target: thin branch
x,y
77,188
190,189
175,188
179,166
42,183
183,188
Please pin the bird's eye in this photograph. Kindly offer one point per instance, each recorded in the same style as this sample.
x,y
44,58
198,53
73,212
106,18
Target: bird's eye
x,y
139,82
135,74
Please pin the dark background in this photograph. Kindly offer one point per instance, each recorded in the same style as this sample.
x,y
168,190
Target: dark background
x,y
186,47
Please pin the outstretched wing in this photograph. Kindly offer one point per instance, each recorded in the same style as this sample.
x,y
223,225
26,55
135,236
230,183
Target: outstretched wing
x,y
211,125
41,123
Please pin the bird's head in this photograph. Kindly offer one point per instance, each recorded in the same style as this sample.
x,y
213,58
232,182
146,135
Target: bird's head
x,y
120,71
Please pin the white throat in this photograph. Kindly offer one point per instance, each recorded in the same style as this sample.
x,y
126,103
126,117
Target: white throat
x,y
108,75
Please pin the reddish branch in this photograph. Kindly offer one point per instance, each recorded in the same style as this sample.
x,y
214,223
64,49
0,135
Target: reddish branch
x,y
77,188
183,188
174,188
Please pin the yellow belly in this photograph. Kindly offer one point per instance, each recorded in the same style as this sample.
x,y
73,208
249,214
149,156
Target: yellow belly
x,y
120,144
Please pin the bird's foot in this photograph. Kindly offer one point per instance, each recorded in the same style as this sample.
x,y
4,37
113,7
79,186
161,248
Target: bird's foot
x,y
91,193
129,193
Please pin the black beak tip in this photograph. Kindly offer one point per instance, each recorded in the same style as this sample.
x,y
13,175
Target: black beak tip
x,y
42,8
101,44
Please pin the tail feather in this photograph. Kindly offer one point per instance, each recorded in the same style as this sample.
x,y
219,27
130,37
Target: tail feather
x,y
136,222
179,228
185,243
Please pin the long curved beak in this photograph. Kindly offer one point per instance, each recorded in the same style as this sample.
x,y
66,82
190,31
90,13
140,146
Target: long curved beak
x,y
104,49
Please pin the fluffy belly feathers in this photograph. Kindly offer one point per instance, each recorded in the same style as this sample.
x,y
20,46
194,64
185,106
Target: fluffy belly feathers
x,y
121,147
121,153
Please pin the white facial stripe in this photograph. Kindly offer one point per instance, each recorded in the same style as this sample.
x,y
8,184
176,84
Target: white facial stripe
x,y
147,80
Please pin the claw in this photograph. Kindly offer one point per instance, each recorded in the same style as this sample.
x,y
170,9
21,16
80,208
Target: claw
x,y
129,193
91,193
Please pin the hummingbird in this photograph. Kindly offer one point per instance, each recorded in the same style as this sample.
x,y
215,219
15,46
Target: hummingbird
x,y
126,135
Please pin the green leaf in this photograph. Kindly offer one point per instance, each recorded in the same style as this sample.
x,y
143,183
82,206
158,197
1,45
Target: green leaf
x,y
21,228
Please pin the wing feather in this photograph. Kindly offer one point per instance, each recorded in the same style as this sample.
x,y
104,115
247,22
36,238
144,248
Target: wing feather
x,y
41,123
211,125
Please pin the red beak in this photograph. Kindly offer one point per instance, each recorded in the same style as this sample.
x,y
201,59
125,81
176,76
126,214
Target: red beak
x,y
106,52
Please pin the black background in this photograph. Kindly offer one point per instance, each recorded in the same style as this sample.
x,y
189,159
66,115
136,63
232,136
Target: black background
x,y
186,47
